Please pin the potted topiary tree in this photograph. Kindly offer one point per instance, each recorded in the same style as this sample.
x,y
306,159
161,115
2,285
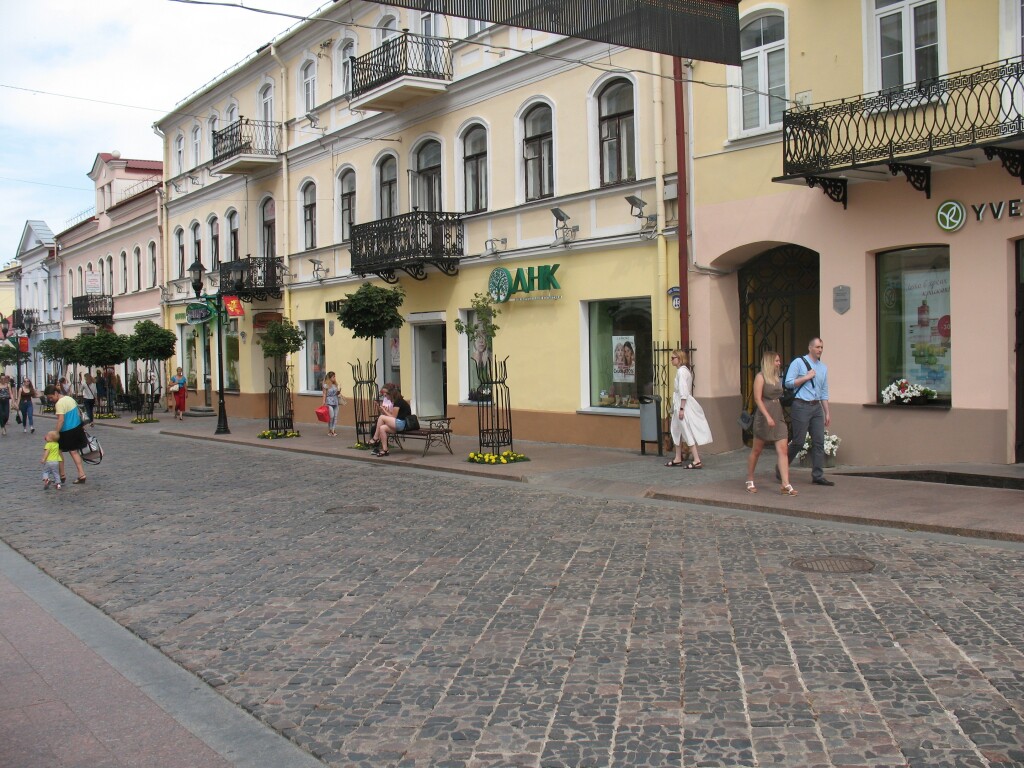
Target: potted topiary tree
x,y
104,350
280,339
151,344
480,332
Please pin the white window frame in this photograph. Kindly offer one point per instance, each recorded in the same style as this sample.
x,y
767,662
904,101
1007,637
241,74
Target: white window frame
x,y
339,226
345,74
307,86
307,235
1011,28
124,271
520,139
734,78
137,256
872,42
179,154
460,164
197,145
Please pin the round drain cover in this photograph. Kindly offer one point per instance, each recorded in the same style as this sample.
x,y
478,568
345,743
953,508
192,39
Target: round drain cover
x,y
833,564
352,509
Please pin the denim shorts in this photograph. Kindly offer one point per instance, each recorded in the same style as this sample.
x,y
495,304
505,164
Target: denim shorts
x,y
399,425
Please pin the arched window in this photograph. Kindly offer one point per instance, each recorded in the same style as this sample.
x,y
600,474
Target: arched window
x,y
212,128
387,182
428,177
538,153
214,226
81,283
347,203
152,264
308,75
388,28
233,254
137,256
197,243
232,115
618,135
179,154
763,52
309,215
179,250
267,103
197,146
124,272
348,52
268,216
71,284
474,164
110,273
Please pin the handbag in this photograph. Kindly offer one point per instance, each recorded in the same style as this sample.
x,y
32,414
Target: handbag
x,y
411,423
93,452
746,420
173,388
323,414
17,417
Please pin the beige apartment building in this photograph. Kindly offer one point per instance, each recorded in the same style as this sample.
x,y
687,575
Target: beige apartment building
x,y
449,157
866,186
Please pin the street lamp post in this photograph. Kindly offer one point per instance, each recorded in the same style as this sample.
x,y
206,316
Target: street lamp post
x,y
196,271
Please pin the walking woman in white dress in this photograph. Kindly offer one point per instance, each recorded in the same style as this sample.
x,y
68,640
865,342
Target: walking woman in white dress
x,y
688,421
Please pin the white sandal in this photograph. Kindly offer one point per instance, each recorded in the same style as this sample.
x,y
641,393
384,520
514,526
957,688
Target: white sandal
x,y
789,490
751,488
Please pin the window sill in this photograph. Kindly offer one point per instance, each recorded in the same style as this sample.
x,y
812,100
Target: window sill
x,y
599,411
758,139
939,406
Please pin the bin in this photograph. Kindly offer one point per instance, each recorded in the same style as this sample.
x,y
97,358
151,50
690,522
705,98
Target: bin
x,y
650,423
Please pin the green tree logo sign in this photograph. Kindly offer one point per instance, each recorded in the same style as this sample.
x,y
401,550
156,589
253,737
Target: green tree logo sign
x,y
951,216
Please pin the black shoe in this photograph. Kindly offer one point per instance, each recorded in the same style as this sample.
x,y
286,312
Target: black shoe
x,y
778,475
822,481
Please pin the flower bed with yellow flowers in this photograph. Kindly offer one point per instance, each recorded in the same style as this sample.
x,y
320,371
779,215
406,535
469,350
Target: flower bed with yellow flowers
x,y
278,434
99,416
508,457
145,420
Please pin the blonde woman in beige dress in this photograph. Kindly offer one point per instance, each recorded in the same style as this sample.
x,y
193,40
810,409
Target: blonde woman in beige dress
x,y
689,424
769,423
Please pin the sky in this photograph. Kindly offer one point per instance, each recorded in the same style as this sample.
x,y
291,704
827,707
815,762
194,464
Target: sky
x,y
60,58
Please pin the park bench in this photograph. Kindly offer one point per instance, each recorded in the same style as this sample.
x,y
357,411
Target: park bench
x,y
437,431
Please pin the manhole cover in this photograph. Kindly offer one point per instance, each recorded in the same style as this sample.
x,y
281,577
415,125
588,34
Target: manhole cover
x,y
833,564
352,509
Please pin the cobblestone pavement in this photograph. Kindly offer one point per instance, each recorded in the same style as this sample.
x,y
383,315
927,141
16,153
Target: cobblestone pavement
x,y
387,616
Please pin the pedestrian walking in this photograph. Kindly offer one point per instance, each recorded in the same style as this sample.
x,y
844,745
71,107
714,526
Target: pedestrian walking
x,y
7,396
332,399
689,424
89,396
769,422
178,386
51,461
809,412
25,406
71,433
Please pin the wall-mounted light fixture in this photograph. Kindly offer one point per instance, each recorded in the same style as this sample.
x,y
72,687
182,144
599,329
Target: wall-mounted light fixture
x,y
495,245
319,270
649,222
565,232
241,335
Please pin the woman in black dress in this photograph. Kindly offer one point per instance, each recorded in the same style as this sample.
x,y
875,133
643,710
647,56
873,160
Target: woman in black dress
x,y
769,422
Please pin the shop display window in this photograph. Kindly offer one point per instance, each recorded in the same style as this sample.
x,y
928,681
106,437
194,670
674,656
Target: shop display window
x,y
479,354
621,341
914,321
314,352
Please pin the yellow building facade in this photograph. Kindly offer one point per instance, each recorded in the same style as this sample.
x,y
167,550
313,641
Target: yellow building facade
x,y
447,157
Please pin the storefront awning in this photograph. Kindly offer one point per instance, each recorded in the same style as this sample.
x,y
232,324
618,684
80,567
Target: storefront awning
x,y
707,30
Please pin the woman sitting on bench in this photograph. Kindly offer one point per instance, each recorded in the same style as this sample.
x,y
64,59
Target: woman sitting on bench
x,y
391,420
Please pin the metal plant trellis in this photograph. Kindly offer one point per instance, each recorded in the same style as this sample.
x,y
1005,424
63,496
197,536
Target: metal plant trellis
x,y
494,415
365,397
282,415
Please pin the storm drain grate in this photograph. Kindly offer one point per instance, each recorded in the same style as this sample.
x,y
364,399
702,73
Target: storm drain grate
x,y
352,509
833,564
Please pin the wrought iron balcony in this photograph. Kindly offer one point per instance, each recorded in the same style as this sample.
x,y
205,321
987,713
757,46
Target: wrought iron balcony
x,y
402,70
256,278
93,308
246,146
408,242
958,119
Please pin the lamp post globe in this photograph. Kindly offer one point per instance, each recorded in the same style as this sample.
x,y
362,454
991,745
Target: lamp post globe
x,y
196,272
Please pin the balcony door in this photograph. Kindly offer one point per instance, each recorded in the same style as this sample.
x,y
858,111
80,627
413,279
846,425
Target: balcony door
x,y
426,179
430,368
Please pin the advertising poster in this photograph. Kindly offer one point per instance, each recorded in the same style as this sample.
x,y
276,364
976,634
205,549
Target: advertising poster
x,y
927,340
624,359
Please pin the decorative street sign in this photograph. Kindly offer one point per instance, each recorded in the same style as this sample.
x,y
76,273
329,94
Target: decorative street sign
x,y
197,314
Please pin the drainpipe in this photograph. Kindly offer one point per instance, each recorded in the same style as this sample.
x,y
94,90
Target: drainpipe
x,y
659,193
162,214
286,194
682,184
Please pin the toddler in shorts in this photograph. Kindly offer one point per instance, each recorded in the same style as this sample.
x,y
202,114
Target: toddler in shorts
x,y
51,460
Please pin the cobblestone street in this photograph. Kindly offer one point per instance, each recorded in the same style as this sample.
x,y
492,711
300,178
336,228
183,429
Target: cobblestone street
x,y
389,616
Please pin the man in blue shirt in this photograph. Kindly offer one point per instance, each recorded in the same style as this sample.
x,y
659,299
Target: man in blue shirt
x,y
809,412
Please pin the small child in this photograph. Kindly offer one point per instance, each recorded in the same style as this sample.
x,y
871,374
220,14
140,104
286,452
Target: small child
x,y
51,461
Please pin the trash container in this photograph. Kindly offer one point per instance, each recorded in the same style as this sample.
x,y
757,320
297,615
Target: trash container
x,y
650,423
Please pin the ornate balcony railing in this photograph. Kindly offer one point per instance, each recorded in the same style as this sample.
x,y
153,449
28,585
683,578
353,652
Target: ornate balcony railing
x,y
959,110
408,242
93,307
23,318
408,55
257,278
247,137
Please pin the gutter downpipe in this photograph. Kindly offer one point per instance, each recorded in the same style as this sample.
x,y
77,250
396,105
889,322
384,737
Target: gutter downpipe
x,y
659,193
161,224
286,193
682,184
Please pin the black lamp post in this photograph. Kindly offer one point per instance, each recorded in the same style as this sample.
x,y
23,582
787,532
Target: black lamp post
x,y
5,326
196,271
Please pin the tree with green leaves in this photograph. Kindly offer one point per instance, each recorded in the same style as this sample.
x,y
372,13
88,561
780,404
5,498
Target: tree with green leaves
x,y
103,350
372,311
151,344
281,338
481,332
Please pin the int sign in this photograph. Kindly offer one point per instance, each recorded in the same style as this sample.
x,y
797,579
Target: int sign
x,y
197,314
93,283
502,285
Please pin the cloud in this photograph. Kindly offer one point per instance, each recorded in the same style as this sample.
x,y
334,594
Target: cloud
x,y
128,62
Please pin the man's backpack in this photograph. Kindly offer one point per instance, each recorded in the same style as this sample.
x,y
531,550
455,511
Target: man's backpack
x,y
788,393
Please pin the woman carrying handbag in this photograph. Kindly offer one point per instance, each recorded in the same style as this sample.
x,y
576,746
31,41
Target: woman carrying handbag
x,y
177,386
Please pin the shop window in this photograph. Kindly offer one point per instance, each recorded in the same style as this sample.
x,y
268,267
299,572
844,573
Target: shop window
x,y
392,357
478,353
314,355
621,340
914,336
231,338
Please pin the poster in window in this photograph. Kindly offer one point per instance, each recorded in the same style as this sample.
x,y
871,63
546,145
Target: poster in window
x,y
927,318
624,359
396,355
